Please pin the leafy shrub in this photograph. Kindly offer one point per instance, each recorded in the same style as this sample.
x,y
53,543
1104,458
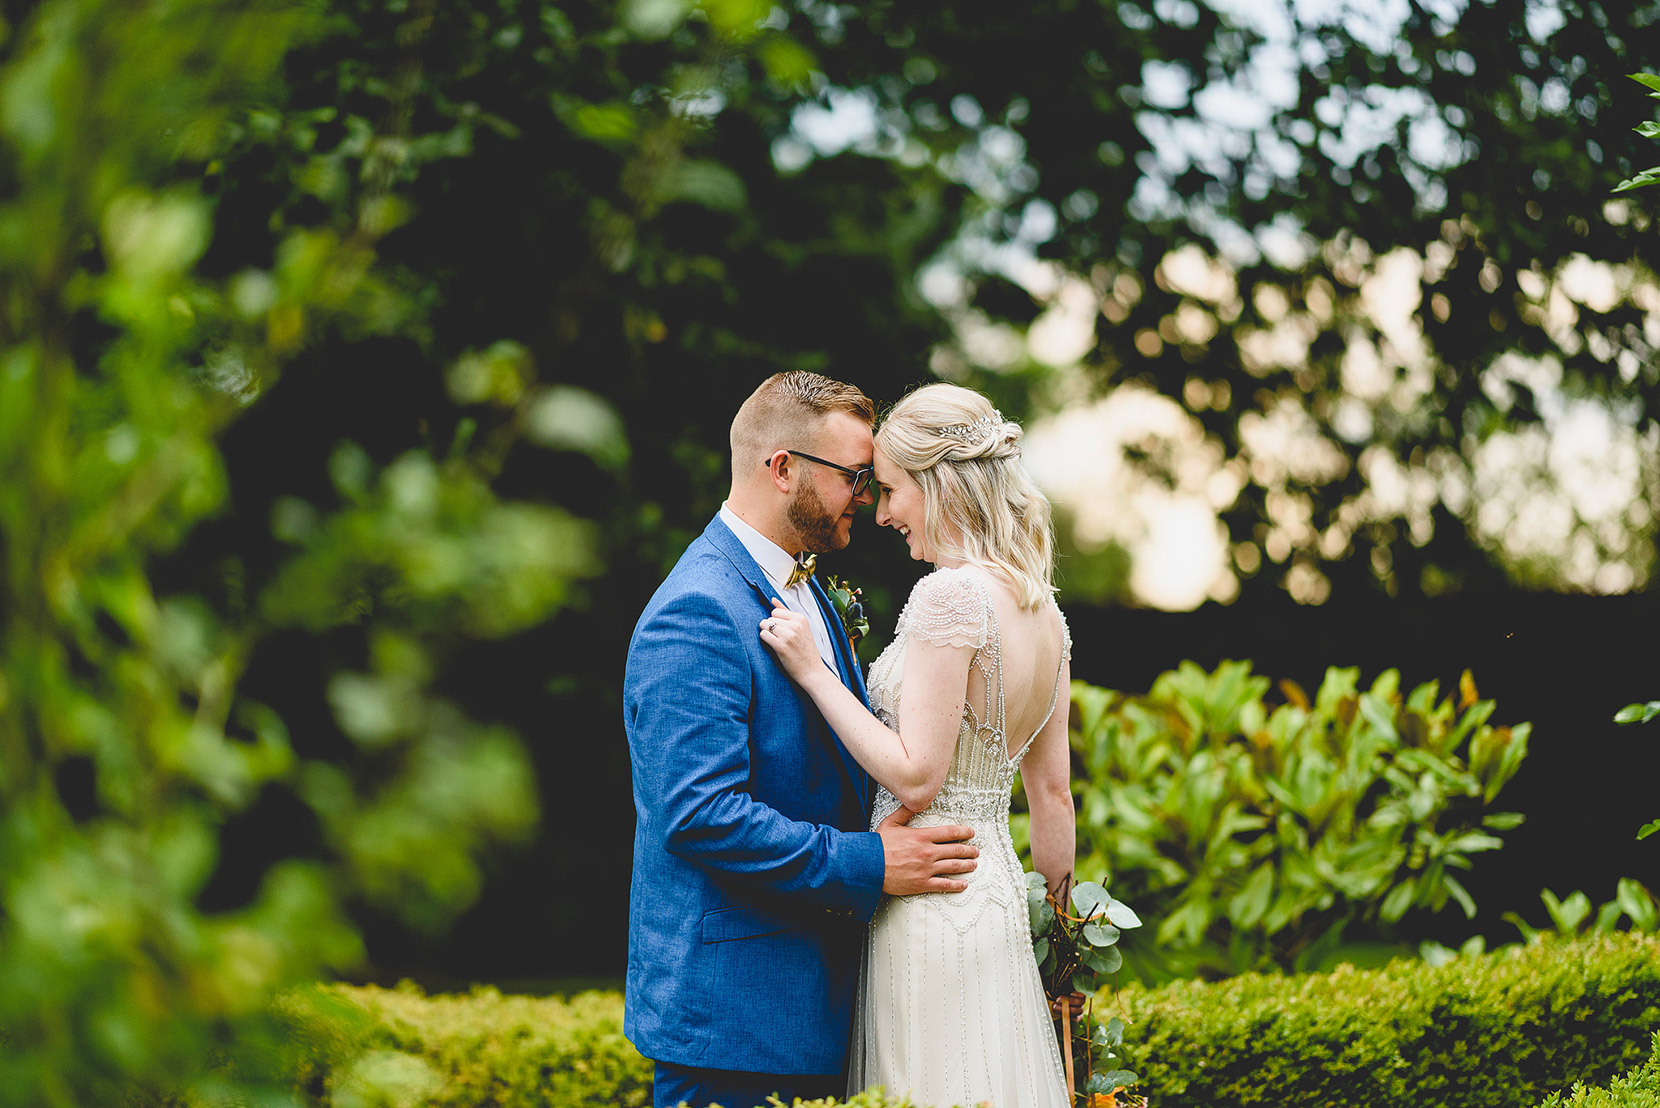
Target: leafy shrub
x,y
1256,834
1638,1089
1492,1031
1498,1030
367,1046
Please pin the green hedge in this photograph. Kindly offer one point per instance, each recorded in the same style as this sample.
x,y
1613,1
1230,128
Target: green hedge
x,y
1491,1031
1638,1089
371,1047
1501,1030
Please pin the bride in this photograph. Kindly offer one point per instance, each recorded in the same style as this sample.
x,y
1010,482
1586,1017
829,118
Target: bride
x,y
951,1009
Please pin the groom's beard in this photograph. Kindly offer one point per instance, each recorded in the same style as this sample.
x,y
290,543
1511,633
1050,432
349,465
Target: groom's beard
x,y
814,524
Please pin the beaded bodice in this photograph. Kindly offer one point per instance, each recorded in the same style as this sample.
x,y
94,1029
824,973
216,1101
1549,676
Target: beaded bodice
x,y
954,607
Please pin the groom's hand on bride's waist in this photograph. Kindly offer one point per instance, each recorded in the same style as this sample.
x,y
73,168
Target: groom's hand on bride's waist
x,y
924,859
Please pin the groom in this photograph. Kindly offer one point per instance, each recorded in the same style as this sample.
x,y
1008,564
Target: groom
x,y
753,875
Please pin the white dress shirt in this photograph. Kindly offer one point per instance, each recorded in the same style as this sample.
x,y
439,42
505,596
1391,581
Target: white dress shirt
x,y
777,564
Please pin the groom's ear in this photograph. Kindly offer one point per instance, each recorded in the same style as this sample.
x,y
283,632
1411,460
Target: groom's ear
x,y
781,471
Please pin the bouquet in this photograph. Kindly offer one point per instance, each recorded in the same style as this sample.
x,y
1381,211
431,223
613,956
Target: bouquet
x,y
1074,951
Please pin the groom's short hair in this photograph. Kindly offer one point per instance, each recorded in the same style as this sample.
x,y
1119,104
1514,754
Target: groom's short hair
x,y
784,412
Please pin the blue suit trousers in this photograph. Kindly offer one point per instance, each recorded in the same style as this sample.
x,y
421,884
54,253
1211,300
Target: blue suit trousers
x,y
674,1085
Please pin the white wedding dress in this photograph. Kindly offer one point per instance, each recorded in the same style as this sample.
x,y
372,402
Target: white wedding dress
x,y
951,1010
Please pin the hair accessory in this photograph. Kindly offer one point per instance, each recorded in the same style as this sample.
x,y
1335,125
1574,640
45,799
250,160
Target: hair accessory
x,y
976,432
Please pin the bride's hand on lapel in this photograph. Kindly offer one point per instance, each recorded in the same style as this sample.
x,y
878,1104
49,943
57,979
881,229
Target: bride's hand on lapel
x,y
789,636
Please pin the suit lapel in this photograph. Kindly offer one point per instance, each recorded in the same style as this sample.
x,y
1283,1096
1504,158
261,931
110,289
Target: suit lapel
x,y
727,543
846,665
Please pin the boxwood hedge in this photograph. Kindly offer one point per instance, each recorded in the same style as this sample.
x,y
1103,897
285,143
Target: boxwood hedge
x,y
1638,1089
1500,1030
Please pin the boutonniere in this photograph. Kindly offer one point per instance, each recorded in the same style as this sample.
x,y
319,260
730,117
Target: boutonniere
x,y
849,604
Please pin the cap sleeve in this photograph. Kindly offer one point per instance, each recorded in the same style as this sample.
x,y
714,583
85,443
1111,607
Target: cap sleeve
x,y
949,607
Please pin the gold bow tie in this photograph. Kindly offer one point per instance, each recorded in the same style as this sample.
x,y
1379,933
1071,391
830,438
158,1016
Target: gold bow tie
x,y
804,566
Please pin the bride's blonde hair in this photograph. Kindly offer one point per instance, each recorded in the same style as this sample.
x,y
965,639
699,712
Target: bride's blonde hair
x,y
980,505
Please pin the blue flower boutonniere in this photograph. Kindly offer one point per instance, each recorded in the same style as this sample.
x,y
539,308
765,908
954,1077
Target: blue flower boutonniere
x,y
849,604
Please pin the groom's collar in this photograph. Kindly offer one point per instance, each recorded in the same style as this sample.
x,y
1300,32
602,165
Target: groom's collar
x,y
774,560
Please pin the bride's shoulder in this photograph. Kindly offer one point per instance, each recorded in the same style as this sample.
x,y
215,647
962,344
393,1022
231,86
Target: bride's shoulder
x,y
950,585
952,605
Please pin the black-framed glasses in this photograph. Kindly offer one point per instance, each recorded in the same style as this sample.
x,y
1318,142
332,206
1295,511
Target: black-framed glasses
x,y
861,476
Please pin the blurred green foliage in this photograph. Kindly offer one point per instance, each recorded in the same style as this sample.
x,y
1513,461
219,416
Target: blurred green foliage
x,y
1256,835
1573,915
1641,713
149,305
1649,129
374,1046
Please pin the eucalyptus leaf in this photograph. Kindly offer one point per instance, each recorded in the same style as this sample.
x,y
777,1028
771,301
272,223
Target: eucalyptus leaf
x,y
1089,899
1098,1085
1041,914
1122,915
1099,933
1106,959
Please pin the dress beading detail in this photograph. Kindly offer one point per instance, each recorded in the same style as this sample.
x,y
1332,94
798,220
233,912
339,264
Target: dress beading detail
x,y
951,1009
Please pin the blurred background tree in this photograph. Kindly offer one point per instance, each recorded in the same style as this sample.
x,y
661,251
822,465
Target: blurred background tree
x,y
1366,256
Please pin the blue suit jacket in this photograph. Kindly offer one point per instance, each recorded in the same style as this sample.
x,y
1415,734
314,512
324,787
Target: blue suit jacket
x,y
754,875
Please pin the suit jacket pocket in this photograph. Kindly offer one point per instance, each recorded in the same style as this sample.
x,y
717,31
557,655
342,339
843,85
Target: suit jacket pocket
x,y
743,922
